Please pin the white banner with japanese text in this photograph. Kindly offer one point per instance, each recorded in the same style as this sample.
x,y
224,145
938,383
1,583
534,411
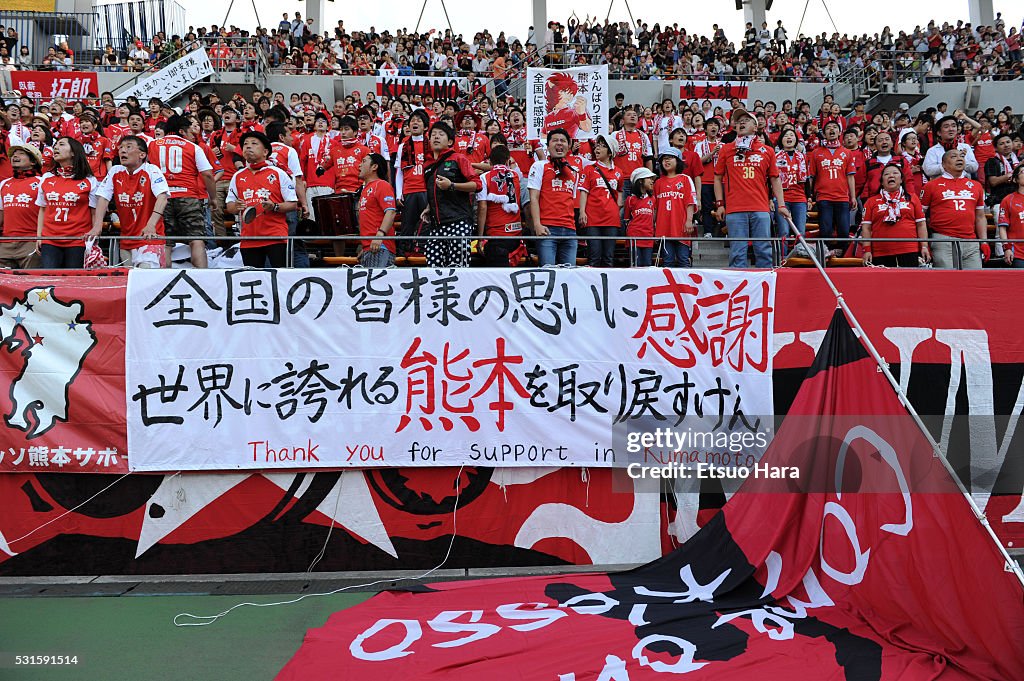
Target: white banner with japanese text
x,y
171,79
265,369
717,92
573,99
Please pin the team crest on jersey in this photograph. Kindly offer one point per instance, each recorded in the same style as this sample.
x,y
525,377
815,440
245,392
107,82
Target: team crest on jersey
x,y
272,179
143,180
83,185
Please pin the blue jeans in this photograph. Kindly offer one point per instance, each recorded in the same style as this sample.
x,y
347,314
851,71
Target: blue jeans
x,y
557,251
746,225
61,257
707,208
834,219
643,257
601,251
674,253
300,258
799,212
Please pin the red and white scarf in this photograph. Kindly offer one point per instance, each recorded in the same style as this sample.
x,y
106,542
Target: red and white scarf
x,y
892,206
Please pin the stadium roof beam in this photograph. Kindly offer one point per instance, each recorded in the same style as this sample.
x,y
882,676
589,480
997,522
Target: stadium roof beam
x,y
756,11
981,13
315,10
540,24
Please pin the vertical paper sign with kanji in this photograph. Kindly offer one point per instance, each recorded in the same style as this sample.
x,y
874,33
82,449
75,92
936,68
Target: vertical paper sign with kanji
x,y
573,99
267,369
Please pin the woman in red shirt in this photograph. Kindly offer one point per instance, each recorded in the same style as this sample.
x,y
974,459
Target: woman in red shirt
x,y
67,197
601,201
891,214
792,166
1011,220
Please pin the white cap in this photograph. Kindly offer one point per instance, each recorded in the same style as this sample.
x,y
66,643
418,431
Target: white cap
x,y
639,174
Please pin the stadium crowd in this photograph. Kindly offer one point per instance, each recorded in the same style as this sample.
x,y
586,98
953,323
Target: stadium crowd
x,y
452,175
937,51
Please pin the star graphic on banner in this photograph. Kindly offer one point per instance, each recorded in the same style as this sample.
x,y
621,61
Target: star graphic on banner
x,y
28,306
72,326
43,295
38,339
18,319
349,504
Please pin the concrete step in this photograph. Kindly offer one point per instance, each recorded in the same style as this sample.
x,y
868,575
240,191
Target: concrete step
x,y
711,253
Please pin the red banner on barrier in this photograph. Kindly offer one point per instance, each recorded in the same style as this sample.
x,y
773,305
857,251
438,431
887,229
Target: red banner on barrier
x,y
62,392
49,84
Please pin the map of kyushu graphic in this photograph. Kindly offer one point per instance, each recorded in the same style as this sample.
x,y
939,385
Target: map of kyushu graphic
x,y
54,341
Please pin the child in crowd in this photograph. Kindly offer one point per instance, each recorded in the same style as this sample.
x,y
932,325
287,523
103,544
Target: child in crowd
x,y
640,216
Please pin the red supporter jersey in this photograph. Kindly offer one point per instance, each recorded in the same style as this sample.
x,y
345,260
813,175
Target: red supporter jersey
x,y
505,181
18,202
952,203
746,180
231,150
152,121
181,162
314,153
634,149
640,214
285,158
135,195
413,150
830,169
522,151
99,150
376,199
983,149
252,186
793,174
1011,216
566,119
473,145
860,171
67,206
346,157
602,197
671,197
557,198
116,133
374,143
875,212
707,148
692,165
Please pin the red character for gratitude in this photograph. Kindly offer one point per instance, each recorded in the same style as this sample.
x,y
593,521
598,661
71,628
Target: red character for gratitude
x,y
564,106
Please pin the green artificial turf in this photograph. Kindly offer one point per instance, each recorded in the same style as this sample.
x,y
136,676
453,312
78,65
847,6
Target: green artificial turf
x,y
134,639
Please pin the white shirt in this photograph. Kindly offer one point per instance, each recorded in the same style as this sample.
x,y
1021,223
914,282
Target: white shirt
x,y
932,164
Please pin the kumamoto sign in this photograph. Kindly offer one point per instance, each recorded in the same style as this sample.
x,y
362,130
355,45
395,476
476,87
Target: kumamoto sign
x,y
438,88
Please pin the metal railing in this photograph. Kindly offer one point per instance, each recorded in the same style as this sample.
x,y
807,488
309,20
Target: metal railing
x,y
39,31
782,252
122,22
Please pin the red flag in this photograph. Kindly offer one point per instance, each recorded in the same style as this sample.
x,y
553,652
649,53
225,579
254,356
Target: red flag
x,y
890,577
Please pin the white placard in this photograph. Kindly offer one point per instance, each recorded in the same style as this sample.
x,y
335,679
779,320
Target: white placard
x,y
270,369
574,99
171,79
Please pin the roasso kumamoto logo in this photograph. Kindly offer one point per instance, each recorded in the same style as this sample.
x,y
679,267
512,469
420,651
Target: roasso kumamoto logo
x,y
54,341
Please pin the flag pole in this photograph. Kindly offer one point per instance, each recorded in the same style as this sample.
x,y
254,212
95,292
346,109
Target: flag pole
x,y
1011,565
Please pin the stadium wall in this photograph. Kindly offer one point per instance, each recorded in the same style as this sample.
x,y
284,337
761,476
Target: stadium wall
x,y
994,94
